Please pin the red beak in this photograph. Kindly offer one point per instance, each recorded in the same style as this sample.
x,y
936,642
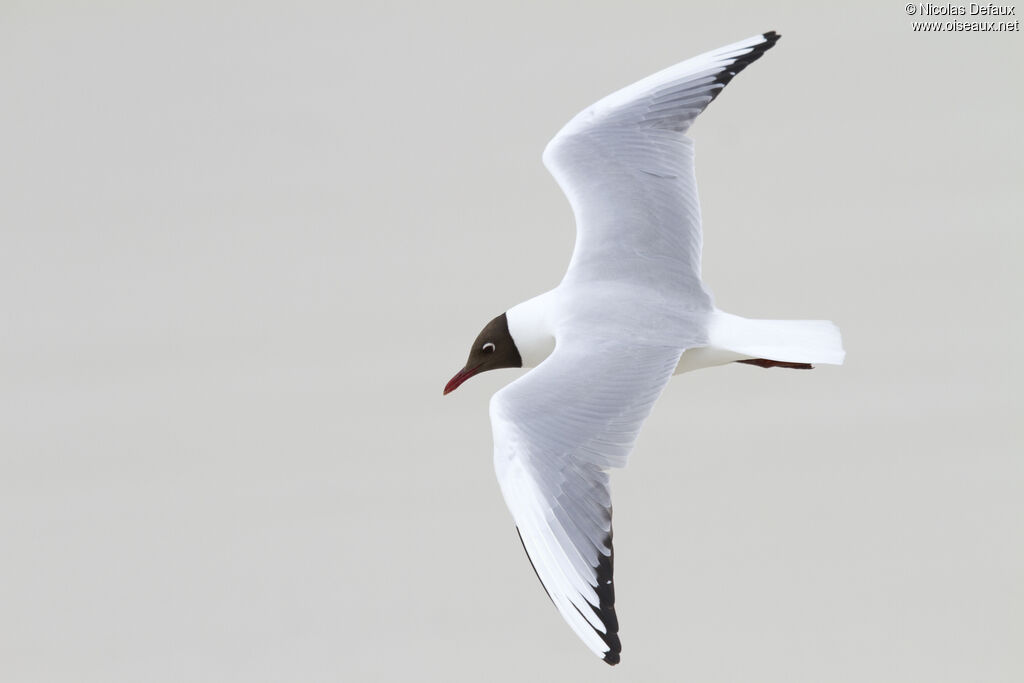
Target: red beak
x,y
460,377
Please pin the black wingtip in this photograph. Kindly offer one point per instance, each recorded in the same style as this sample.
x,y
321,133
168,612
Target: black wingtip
x,y
605,590
741,63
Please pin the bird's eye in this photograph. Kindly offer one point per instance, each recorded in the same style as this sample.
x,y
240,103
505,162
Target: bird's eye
x,y
487,348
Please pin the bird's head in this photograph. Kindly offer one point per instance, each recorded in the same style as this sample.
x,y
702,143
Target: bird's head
x,y
492,349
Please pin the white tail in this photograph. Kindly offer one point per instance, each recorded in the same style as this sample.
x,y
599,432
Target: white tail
x,y
732,338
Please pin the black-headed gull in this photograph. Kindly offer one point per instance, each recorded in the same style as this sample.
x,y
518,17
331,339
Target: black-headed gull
x,y
630,312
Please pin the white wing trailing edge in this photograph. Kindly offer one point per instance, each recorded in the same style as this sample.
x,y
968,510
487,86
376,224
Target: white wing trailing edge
x,y
557,430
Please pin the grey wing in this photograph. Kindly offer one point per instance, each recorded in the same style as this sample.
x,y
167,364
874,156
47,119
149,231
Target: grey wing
x,y
557,431
626,167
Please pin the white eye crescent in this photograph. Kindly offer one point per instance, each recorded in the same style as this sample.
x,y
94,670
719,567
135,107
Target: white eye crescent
x,y
487,348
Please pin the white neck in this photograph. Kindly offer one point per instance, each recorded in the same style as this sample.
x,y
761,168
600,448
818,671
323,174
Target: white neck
x,y
529,324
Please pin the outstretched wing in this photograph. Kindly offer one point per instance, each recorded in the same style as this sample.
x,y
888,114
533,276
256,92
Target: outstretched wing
x,y
557,431
626,166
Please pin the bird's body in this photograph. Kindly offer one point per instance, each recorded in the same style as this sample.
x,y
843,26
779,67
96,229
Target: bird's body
x,y
630,312
708,337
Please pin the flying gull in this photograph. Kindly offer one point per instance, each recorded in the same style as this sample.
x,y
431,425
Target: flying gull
x,y
630,313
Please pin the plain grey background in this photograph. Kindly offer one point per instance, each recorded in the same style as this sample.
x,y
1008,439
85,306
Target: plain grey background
x,y
243,246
